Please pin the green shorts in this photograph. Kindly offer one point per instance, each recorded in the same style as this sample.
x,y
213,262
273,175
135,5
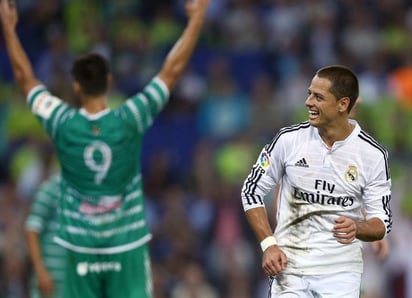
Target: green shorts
x,y
125,275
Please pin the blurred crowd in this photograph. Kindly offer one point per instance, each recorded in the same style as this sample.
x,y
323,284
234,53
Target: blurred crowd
x,y
248,78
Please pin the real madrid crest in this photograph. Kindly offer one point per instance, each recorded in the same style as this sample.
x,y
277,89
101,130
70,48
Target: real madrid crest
x,y
351,174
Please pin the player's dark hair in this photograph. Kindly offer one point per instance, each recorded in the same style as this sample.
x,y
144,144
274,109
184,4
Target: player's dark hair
x,y
344,82
91,72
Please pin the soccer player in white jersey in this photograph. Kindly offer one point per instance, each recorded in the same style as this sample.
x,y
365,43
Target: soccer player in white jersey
x,y
328,169
102,219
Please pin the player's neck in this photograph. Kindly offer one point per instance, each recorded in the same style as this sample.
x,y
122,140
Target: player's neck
x,y
331,135
94,105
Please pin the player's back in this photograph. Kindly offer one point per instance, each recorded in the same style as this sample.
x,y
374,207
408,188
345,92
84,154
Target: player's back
x,y
99,154
102,208
102,202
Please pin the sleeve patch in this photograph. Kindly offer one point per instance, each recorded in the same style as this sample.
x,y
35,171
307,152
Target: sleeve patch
x,y
264,161
45,104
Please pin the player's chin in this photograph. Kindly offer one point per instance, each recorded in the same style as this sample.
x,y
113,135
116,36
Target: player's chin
x,y
314,122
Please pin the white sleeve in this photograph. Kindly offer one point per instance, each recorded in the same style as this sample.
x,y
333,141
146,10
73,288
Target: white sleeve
x,y
265,174
377,196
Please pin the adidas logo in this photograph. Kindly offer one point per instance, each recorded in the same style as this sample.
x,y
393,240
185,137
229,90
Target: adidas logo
x,y
302,163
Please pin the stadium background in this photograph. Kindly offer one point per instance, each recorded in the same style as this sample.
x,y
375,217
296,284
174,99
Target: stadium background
x,y
248,77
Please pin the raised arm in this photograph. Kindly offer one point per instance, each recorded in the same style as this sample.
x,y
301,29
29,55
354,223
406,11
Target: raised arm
x,y
181,52
22,68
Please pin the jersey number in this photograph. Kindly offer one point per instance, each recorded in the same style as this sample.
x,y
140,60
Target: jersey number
x,y
98,158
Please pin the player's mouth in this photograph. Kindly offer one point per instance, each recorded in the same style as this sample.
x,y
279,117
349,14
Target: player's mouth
x,y
313,115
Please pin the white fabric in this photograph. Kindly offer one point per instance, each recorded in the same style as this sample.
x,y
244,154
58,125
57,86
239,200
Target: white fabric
x,y
338,285
319,184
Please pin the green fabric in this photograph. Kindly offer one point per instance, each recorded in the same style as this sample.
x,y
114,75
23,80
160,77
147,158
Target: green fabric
x,y
125,275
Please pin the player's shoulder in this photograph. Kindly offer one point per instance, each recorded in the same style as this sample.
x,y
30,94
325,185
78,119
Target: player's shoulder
x,y
294,131
51,184
301,127
292,134
369,143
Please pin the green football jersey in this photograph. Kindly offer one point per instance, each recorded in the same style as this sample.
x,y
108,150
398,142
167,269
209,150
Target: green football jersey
x,y
43,220
102,207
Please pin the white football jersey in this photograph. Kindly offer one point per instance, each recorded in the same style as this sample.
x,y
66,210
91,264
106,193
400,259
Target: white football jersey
x,y
319,184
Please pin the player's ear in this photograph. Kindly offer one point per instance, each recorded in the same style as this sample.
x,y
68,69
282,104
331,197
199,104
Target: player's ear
x,y
344,104
109,80
76,87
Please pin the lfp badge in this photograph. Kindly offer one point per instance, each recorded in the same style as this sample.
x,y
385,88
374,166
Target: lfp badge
x,y
264,160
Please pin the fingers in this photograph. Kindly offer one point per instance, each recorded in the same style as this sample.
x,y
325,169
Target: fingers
x,y
274,262
196,4
7,6
345,238
272,268
344,230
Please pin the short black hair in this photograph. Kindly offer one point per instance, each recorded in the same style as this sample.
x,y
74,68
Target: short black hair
x,y
344,82
91,71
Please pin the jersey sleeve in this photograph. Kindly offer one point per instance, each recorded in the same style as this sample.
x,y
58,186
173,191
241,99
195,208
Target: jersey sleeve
x,y
265,174
146,105
46,107
377,194
44,206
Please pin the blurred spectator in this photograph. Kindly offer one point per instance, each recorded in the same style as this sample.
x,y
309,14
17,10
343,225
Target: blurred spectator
x,y
165,28
53,66
322,40
242,29
193,283
284,22
225,111
360,37
14,269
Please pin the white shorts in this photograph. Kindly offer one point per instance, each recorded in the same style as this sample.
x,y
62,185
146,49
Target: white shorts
x,y
337,285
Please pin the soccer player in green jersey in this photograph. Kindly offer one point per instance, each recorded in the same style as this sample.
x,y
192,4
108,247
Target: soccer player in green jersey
x,y
101,217
47,257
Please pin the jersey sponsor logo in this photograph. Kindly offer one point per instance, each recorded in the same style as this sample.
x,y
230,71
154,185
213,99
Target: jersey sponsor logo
x,y
322,199
105,205
84,268
302,163
44,105
264,160
351,174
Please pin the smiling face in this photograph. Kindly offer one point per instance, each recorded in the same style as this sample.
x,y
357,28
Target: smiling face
x,y
325,110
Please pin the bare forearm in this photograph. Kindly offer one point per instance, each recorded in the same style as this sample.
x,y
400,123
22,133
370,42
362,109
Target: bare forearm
x,y
32,240
178,57
22,68
258,221
370,230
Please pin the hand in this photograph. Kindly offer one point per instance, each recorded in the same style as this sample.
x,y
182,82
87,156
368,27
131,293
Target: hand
x,y
380,248
344,230
45,282
194,7
274,260
8,13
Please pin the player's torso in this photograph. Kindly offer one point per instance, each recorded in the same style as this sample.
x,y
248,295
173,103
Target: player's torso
x,y
99,156
319,185
326,179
